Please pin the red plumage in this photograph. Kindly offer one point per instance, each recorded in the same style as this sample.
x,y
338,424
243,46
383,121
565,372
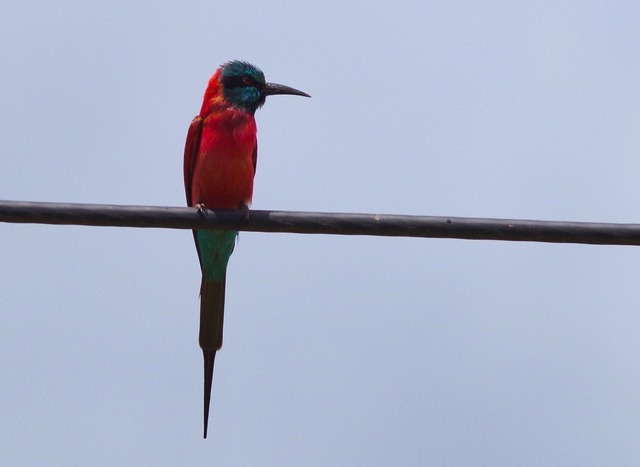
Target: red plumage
x,y
220,166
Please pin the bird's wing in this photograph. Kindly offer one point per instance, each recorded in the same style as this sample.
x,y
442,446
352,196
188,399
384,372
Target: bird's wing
x,y
191,148
255,158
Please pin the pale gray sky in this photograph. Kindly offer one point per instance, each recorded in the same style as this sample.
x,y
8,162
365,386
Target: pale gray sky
x,y
338,350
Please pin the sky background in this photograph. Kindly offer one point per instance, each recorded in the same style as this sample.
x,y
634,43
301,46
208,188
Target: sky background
x,y
338,351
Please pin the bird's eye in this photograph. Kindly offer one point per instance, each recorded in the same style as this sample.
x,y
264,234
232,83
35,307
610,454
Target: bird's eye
x,y
247,81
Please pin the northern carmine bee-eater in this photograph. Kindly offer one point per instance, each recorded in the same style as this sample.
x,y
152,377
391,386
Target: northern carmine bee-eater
x,y
219,165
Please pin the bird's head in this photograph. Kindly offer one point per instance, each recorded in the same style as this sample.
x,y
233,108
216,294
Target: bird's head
x,y
243,86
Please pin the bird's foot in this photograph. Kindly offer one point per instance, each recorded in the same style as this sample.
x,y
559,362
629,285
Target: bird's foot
x,y
244,209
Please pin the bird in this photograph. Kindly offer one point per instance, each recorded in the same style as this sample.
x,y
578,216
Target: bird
x,y
220,159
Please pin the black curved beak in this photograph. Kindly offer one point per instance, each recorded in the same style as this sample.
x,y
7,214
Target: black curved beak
x,y
271,89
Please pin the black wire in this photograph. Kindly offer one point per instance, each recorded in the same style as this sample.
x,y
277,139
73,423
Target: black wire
x,y
321,223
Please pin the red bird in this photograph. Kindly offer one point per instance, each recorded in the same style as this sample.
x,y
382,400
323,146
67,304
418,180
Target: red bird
x,y
219,165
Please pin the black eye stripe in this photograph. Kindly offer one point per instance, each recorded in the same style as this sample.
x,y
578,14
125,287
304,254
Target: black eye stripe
x,y
239,82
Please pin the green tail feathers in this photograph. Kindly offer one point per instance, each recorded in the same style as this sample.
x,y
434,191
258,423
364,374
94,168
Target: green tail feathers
x,y
214,251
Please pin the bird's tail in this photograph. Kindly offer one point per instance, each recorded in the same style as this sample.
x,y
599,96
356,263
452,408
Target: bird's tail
x,y
211,320
209,358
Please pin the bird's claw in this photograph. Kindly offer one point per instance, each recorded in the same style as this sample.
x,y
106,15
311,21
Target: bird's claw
x,y
202,209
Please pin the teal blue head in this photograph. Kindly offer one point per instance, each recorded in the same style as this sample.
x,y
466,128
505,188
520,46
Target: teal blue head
x,y
244,86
